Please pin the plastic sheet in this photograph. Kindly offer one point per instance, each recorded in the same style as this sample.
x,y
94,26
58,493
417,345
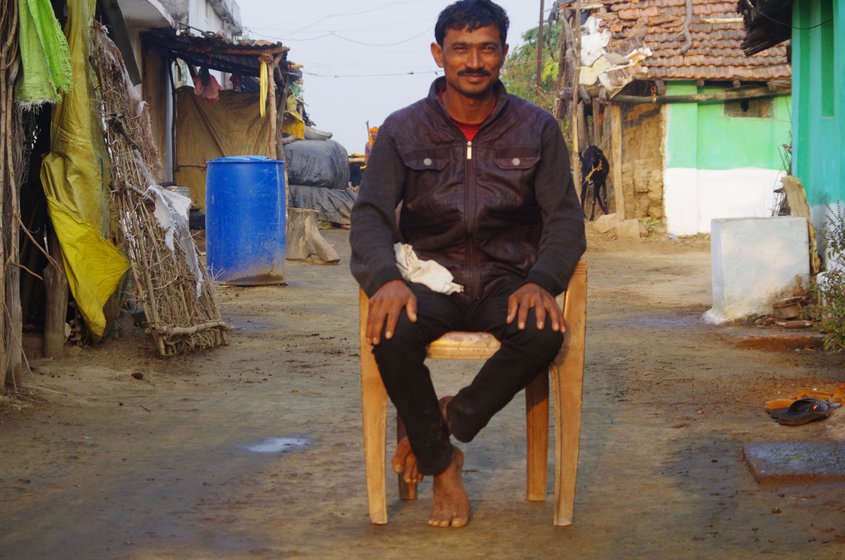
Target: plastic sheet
x,y
317,163
72,175
45,55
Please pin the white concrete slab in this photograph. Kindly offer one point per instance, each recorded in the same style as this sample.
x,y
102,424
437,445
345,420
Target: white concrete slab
x,y
755,261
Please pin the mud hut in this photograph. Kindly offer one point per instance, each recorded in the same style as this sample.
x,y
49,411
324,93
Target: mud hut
x,y
694,129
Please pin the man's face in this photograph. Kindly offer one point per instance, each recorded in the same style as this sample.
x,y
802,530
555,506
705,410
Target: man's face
x,y
471,60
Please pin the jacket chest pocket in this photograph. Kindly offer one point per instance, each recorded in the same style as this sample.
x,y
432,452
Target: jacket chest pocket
x,y
429,177
516,160
431,197
507,178
420,161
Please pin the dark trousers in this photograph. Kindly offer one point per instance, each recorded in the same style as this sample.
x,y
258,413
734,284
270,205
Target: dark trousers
x,y
522,356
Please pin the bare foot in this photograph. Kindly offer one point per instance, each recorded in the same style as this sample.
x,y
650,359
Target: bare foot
x,y
451,505
405,462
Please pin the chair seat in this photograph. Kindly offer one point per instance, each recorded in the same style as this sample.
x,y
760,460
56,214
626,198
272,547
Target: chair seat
x,y
460,345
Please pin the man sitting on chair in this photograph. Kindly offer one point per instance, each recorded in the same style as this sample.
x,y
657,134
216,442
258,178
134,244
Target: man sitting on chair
x,y
485,189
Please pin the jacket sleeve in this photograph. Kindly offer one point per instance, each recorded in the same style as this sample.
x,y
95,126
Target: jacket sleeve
x,y
563,240
373,218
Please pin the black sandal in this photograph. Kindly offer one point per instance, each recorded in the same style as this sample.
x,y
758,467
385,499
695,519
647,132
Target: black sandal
x,y
804,411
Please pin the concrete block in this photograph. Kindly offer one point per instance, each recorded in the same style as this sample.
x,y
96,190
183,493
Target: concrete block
x,y
604,224
754,261
792,462
628,229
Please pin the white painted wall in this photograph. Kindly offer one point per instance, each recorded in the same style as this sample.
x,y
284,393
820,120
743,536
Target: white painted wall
x,y
692,198
755,261
202,16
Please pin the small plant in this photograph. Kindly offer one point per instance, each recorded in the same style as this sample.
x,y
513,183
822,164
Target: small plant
x,y
834,232
650,225
830,285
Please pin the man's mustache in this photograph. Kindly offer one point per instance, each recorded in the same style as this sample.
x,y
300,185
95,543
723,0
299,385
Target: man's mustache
x,y
478,72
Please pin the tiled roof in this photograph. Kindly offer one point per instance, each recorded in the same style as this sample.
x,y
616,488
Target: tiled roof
x,y
715,53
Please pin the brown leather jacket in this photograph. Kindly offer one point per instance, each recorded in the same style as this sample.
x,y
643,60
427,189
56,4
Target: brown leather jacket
x,y
502,204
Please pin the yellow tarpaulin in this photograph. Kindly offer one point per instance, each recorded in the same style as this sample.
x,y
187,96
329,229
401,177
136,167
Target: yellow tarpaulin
x,y
293,124
73,178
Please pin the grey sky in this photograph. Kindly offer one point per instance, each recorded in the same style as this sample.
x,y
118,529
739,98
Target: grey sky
x,y
371,45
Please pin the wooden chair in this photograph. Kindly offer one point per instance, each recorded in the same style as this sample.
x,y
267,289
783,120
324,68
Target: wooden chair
x,y
566,372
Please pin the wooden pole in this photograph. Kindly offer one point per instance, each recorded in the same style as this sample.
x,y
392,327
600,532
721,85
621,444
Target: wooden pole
x,y
14,312
540,46
56,288
561,68
576,148
616,165
11,133
598,123
583,133
271,71
718,97
280,118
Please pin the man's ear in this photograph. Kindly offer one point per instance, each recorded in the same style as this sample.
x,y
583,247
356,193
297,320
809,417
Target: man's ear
x,y
437,53
505,51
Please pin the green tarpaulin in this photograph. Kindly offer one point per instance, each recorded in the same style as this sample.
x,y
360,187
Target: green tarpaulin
x,y
45,56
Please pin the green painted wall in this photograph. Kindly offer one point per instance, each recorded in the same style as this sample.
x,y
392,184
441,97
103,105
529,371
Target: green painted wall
x,y
681,128
702,136
818,87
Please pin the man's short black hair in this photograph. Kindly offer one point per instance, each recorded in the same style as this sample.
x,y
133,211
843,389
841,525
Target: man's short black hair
x,y
471,14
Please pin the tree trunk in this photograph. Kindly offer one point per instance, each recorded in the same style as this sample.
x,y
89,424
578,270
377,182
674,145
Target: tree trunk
x,y
304,240
14,326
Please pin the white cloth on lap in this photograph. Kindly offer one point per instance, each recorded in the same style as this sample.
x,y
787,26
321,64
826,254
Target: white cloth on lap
x,y
428,273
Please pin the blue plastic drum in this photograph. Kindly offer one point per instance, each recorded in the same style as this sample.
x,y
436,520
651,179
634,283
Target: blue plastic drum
x,y
245,220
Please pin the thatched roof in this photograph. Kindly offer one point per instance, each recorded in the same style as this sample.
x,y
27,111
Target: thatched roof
x,y
768,23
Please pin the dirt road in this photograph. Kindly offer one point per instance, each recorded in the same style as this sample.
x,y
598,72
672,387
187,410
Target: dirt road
x,y
253,450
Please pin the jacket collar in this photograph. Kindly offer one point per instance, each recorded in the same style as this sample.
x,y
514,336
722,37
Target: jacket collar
x,y
434,100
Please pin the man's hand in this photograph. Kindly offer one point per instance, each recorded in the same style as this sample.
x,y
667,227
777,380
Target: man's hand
x,y
532,295
385,306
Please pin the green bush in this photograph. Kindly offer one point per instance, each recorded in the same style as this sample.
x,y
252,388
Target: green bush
x,y
830,288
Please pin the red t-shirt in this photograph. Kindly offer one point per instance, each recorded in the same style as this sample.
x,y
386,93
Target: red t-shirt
x,y
469,130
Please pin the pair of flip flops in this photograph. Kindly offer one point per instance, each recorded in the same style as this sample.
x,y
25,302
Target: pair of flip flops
x,y
802,411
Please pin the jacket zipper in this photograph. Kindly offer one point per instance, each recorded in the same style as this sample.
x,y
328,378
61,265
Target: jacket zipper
x,y
470,221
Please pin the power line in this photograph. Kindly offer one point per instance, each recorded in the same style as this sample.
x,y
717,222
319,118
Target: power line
x,y
410,73
348,14
355,41
339,36
390,26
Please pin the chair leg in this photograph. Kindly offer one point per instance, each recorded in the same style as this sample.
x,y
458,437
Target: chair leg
x,y
374,418
406,491
537,436
374,409
568,378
